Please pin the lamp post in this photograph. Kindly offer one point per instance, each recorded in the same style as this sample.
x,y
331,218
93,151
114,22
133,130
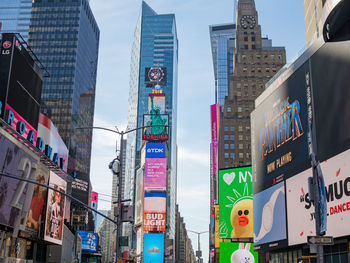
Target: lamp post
x,y
198,252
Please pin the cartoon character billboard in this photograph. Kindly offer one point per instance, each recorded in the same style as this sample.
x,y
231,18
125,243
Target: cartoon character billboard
x,y
153,248
236,203
231,252
55,210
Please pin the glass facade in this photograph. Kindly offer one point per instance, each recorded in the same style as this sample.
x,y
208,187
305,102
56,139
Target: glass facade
x,y
155,45
65,37
15,16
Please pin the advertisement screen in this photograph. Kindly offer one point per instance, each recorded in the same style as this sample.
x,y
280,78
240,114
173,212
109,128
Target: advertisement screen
x,y
155,202
55,210
157,127
279,132
155,150
139,197
14,160
237,253
153,248
39,200
80,187
155,76
155,174
236,203
269,212
89,240
156,103
214,109
154,222
336,172
216,218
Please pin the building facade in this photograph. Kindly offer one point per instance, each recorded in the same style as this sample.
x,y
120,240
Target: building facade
x,y
313,13
15,17
155,45
255,62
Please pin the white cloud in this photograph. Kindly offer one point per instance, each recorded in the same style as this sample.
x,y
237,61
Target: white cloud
x,y
190,155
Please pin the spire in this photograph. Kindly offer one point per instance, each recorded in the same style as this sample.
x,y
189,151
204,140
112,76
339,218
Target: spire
x,y
147,10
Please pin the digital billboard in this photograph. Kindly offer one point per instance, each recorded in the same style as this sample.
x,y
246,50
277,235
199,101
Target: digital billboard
x,y
155,150
232,252
155,76
153,221
155,174
154,202
153,248
15,160
279,132
89,240
156,103
336,172
80,187
236,203
217,233
156,127
214,110
55,210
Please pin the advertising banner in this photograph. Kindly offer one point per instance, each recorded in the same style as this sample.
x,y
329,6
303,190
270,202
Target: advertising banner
x,y
159,130
155,76
80,187
155,202
139,197
156,103
89,240
155,174
153,248
18,161
336,172
154,222
214,110
217,238
155,150
279,132
237,253
39,200
55,210
269,212
236,203
139,241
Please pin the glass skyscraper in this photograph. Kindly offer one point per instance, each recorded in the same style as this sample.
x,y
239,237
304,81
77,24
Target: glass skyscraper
x,y
15,16
155,45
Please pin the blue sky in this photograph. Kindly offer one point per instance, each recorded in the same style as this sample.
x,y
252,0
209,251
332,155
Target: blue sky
x,y
281,20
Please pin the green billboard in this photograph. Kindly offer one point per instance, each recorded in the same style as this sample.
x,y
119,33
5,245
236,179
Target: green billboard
x,y
237,253
236,203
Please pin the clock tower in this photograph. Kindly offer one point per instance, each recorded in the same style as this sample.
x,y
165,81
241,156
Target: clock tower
x,y
255,61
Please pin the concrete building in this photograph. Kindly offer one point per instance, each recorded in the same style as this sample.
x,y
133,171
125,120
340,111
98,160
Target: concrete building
x,y
313,13
107,235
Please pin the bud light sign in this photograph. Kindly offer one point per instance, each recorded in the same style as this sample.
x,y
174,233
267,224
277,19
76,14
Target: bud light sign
x,y
155,150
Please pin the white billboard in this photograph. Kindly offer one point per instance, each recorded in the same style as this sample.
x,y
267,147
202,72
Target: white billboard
x,y
301,222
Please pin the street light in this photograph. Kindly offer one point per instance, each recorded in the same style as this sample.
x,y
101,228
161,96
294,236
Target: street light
x,y
198,252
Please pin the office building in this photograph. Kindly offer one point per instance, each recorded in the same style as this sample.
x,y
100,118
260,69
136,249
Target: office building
x,y
313,14
15,16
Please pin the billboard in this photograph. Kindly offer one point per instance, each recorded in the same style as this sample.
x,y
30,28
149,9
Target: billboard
x,y
153,221
89,240
55,210
336,172
236,203
155,76
269,215
237,253
16,160
153,248
279,132
214,110
155,174
139,197
155,150
217,234
80,187
156,103
154,202
157,129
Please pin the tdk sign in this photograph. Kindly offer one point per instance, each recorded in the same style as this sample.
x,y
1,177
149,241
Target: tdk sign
x,y
155,150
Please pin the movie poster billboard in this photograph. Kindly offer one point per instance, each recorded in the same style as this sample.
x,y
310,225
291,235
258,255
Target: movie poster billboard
x,y
154,202
269,215
156,127
89,240
38,201
280,132
156,103
155,76
233,252
236,203
55,210
153,248
336,172
15,160
155,174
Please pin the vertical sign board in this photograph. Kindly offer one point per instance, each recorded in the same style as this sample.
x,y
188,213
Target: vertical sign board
x,y
153,248
155,174
217,239
154,218
55,210
139,198
237,253
236,203
214,109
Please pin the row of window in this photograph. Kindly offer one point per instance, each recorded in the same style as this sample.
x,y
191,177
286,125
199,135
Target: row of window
x,y
266,56
267,69
232,128
240,155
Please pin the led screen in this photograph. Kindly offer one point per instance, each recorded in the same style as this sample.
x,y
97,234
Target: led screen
x,y
153,248
231,252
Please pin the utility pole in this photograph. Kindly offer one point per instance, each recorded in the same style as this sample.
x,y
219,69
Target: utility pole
x,y
199,252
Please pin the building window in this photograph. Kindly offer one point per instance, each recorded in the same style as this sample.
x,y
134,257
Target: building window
x,y
248,146
267,69
245,33
232,137
247,128
232,155
226,128
238,85
259,69
253,47
226,146
244,69
226,137
240,137
248,155
274,70
228,109
272,56
239,109
241,155
240,128
244,57
232,146
245,38
258,56
226,155
253,38
245,46
232,128
239,93
279,57
240,146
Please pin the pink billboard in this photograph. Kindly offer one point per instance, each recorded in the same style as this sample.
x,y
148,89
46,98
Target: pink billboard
x,y
214,110
155,174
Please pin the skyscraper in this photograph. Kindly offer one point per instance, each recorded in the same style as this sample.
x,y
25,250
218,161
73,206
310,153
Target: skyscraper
x,y
15,16
155,46
65,37
313,13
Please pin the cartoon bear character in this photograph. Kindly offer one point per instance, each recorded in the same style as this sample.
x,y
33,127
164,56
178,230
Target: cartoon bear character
x,y
242,219
242,255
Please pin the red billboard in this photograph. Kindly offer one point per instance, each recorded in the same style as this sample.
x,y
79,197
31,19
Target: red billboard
x,y
153,221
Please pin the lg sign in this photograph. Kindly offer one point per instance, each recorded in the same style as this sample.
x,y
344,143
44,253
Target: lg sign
x,y
155,150
6,45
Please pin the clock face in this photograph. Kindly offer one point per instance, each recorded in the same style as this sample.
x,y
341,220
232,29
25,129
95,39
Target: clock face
x,y
156,74
248,21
